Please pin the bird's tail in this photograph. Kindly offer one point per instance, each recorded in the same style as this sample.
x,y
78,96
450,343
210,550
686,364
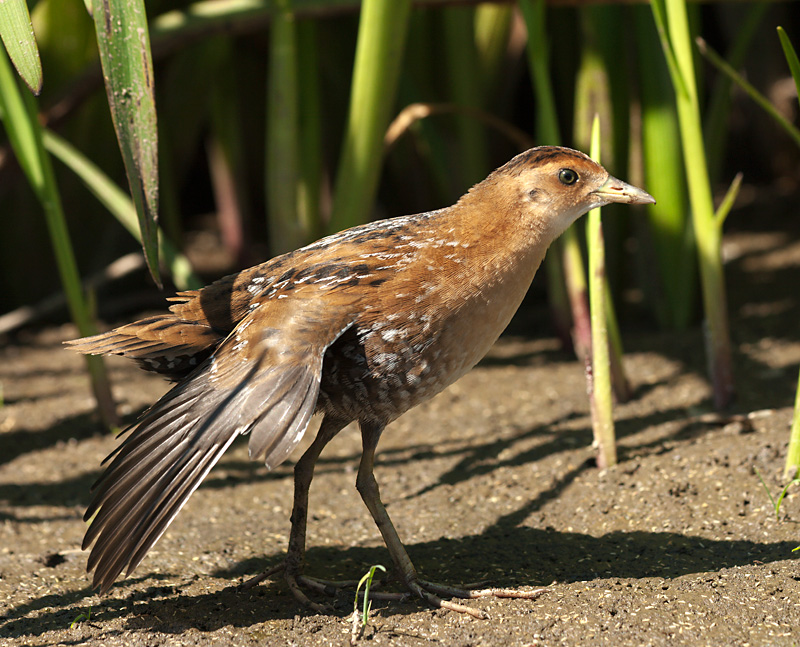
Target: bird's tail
x,y
164,344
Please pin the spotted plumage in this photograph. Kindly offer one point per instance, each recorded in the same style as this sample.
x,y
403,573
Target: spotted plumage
x,y
358,326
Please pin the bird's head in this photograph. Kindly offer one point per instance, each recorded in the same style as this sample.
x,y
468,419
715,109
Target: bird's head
x,y
553,186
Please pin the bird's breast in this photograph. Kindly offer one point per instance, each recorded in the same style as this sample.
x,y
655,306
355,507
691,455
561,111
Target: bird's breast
x,y
422,333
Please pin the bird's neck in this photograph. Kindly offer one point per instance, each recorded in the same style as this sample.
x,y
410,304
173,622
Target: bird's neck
x,y
502,241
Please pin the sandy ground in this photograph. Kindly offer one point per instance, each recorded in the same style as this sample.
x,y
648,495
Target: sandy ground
x,y
493,480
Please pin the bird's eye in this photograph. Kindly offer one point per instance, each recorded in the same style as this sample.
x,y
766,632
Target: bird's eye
x,y
567,176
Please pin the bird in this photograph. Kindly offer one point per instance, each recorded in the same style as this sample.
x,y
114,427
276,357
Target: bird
x,y
359,326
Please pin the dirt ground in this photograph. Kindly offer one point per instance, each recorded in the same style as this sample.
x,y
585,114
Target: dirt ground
x,y
492,481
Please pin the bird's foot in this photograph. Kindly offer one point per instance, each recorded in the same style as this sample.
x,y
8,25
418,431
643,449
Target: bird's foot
x,y
431,592
296,582
434,593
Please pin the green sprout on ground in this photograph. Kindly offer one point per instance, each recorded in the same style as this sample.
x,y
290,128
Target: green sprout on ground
x,y
776,503
366,582
84,616
360,622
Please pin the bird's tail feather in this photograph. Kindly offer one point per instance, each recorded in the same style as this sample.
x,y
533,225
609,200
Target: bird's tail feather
x,y
164,344
169,451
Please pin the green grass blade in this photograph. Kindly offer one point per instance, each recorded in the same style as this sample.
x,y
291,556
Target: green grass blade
x,y
783,494
17,34
679,81
593,114
310,140
609,24
776,503
791,58
775,506
120,205
465,90
379,55
84,616
492,29
600,366
592,89
366,582
226,144
572,291
706,228
718,108
547,129
793,453
717,61
674,283
24,133
286,232
21,120
731,194
124,45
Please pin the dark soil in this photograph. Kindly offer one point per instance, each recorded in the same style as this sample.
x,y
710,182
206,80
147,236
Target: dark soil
x,y
494,480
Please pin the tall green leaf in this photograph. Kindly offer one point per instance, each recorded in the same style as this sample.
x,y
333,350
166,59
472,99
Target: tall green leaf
x,y
379,56
718,108
120,205
124,44
286,232
310,124
723,66
566,294
793,453
20,117
791,57
675,276
17,34
600,364
547,129
465,89
673,24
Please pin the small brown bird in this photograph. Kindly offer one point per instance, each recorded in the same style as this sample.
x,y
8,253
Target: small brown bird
x,y
359,326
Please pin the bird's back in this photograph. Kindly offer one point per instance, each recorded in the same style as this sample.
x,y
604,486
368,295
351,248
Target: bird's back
x,y
426,299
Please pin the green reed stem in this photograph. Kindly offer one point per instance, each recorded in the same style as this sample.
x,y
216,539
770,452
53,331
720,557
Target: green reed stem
x,y
379,55
21,119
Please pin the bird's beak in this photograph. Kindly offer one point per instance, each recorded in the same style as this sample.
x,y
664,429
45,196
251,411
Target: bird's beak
x,y
614,190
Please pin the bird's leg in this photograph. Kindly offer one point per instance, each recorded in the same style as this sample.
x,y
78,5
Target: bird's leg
x,y
429,591
303,473
292,565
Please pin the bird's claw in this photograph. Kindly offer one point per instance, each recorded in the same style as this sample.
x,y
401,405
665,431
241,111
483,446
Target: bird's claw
x,y
431,592
296,582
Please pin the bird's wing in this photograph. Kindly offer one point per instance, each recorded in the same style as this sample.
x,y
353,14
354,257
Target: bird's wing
x,y
262,380
174,343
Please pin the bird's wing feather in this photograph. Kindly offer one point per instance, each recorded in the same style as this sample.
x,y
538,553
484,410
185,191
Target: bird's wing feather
x,y
174,343
262,380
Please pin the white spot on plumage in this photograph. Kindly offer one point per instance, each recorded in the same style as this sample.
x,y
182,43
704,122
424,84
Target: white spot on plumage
x,y
388,360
